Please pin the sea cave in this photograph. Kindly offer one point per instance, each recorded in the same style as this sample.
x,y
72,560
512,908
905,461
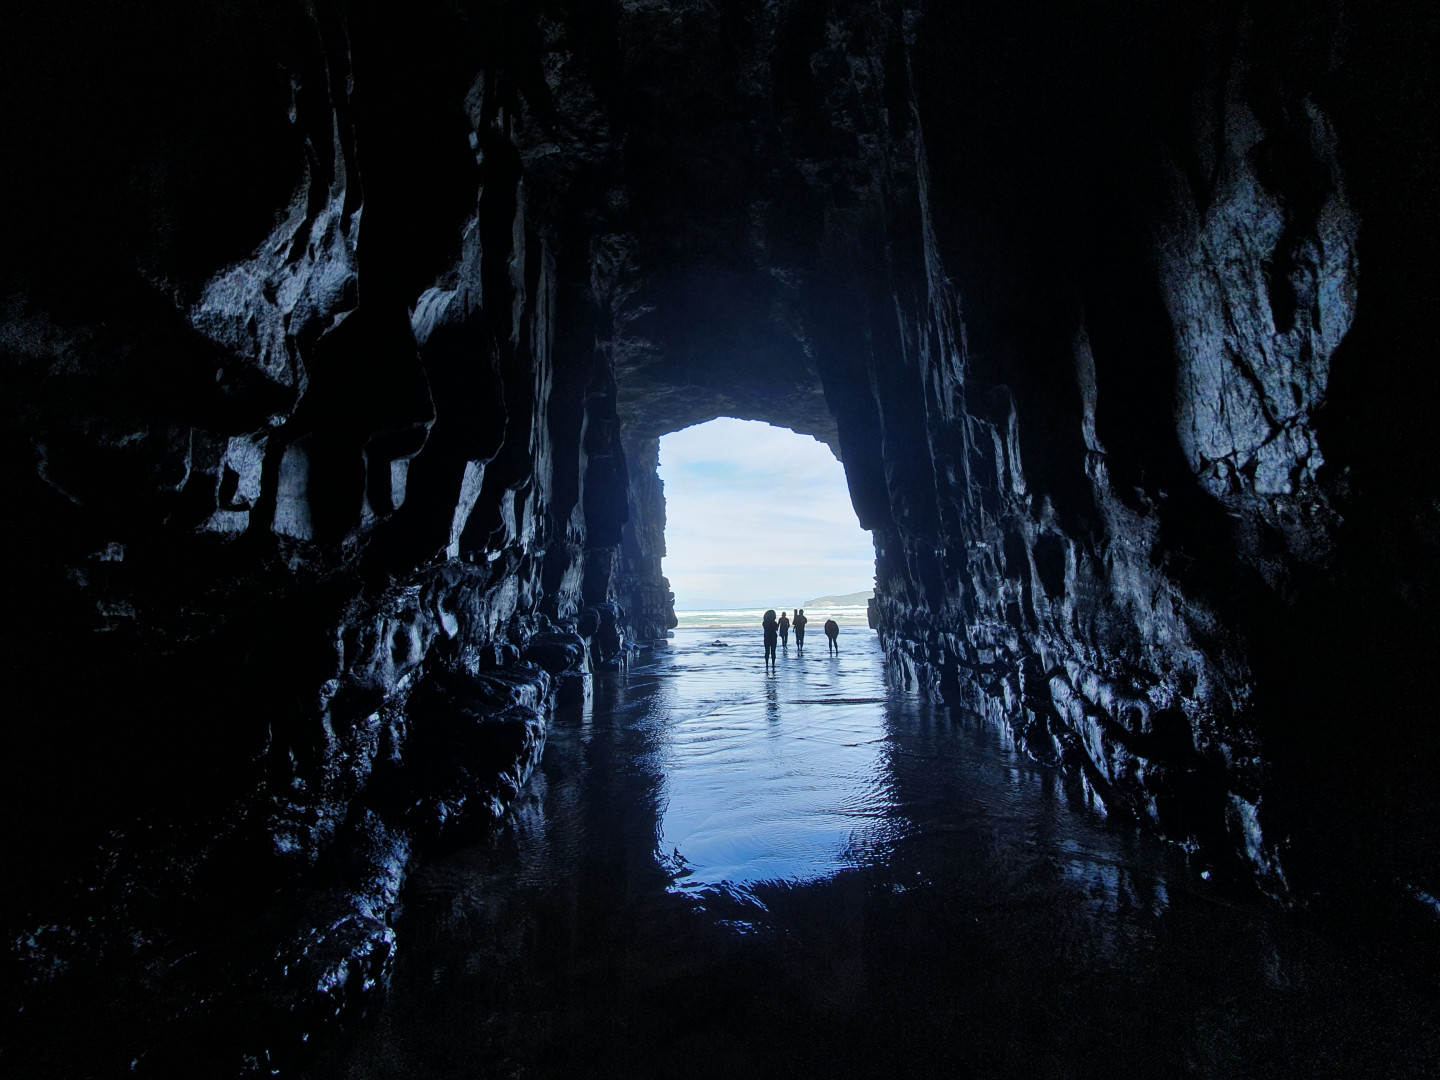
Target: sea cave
x,y
351,731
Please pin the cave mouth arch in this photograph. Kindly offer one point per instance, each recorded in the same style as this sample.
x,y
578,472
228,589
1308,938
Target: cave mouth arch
x,y
758,515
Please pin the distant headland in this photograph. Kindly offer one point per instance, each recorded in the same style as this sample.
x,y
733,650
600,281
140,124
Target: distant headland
x,y
853,599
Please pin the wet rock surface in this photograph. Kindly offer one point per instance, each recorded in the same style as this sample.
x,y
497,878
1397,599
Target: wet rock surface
x,y
337,344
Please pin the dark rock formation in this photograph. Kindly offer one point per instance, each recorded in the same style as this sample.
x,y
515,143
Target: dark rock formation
x,y
338,340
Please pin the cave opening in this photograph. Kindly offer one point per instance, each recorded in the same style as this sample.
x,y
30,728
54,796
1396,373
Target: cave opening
x,y
771,772
758,516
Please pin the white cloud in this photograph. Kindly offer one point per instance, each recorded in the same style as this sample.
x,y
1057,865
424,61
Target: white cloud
x,y
758,515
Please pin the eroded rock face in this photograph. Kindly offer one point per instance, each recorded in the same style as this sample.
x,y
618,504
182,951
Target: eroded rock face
x,y
338,343
1126,552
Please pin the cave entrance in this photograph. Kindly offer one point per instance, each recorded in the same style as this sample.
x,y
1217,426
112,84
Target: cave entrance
x,y
777,771
758,516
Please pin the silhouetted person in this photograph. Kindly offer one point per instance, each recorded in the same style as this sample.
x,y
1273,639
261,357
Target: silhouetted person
x,y
784,630
799,625
832,631
772,631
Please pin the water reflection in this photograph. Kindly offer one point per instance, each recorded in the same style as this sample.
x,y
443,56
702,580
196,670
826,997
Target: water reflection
x,y
722,873
775,780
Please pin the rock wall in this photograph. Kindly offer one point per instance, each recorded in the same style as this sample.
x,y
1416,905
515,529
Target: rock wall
x,y
317,487
337,344
1099,446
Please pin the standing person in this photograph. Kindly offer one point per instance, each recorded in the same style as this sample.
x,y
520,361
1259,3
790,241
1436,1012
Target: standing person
x,y
832,631
784,630
799,625
772,631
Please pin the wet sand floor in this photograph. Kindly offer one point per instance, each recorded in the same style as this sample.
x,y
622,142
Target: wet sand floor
x,y
723,873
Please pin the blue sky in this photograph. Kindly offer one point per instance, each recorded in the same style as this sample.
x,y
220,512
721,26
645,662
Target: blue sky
x,y
758,516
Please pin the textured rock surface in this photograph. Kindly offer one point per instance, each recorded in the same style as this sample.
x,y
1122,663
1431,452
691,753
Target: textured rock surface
x,y
337,344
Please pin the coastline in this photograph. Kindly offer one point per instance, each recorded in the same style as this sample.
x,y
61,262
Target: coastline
x,y
850,616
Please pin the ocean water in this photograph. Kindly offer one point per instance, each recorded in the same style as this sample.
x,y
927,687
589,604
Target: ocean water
x,y
750,618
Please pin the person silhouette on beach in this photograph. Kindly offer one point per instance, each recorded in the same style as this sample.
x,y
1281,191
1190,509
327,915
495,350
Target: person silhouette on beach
x,y
832,631
772,631
799,625
784,630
